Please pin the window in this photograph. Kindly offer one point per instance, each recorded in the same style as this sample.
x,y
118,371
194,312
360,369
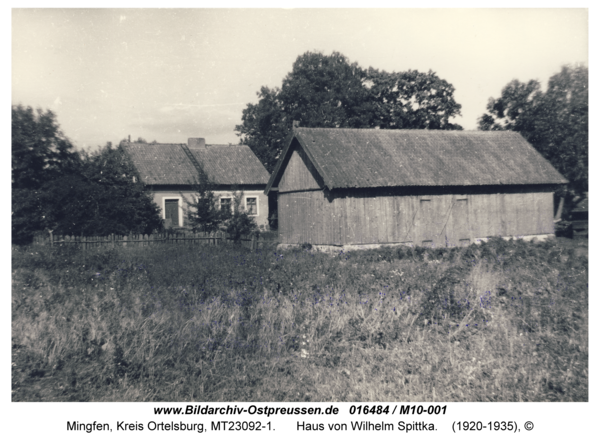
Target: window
x,y
252,206
226,204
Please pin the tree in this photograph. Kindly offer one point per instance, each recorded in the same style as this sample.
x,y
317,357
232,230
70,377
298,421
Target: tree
x,y
205,215
55,188
555,122
40,151
40,154
329,91
265,127
203,211
27,215
326,91
412,100
104,197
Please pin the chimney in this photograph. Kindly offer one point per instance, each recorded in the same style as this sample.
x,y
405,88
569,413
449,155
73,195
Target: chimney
x,y
197,143
296,124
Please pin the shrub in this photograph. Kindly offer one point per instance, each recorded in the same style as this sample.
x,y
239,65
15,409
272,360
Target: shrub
x,y
239,223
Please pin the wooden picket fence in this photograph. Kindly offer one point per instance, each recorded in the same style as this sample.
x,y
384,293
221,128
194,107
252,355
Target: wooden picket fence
x,y
252,242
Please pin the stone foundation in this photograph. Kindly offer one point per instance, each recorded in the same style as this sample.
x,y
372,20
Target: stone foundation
x,y
335,249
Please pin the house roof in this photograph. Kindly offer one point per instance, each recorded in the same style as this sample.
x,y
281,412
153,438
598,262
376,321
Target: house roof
x,y
168,164
364,158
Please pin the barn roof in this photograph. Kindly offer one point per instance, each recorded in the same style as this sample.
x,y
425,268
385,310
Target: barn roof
x,y
168,164
364,158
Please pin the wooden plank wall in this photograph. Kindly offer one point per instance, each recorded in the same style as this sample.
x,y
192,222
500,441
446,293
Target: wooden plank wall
x,y
299,174
441,220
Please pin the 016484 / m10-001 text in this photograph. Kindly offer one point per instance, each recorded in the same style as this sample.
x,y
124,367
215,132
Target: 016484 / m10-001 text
x,y
402,409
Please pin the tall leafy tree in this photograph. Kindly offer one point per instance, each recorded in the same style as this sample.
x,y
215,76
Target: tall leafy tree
x,y
40,154
265,126
330,91
55,188
105,196
554,121
40,151
412,100
326,91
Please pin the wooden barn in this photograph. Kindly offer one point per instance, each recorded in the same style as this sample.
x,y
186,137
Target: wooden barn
x,y
169,171
356,188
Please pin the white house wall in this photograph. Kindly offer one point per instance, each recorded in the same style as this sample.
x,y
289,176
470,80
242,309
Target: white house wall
x,y
160,196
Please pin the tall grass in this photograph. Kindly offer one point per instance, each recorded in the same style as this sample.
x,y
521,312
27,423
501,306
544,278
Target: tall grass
x,y
504,321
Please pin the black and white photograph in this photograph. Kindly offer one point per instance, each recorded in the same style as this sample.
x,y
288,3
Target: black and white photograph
x,y
364,208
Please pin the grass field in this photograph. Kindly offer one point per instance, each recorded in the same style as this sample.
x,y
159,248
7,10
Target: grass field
x,y
503,321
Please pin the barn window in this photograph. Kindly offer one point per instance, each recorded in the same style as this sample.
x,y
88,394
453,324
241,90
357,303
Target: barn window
x,y
252,206
225,204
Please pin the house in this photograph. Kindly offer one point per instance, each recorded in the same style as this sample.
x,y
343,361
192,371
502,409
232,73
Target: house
x,y
170,170
369,187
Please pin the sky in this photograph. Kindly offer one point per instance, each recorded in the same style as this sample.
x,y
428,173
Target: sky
x,y
171,74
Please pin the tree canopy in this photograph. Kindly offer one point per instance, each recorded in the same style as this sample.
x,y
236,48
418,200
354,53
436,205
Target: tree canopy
x,y
554,121
40,151
105,196
330,91
56,188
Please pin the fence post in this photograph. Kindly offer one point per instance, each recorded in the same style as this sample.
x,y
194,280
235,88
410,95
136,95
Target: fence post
x,y
51,239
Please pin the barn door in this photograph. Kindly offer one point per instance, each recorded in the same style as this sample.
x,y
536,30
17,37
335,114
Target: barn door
x,y
426,225
460,218
172,212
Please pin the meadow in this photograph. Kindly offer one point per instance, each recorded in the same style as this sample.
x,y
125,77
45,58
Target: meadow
x,y
502,321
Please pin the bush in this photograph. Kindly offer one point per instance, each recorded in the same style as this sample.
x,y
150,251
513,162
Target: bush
x,y
239,223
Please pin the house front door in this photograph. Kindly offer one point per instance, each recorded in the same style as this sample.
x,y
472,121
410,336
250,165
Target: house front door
x,y
172,212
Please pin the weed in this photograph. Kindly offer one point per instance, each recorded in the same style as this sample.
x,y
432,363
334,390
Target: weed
x,y
501,321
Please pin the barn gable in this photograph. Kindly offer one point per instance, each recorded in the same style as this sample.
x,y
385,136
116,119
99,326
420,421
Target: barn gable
x,y
299,172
